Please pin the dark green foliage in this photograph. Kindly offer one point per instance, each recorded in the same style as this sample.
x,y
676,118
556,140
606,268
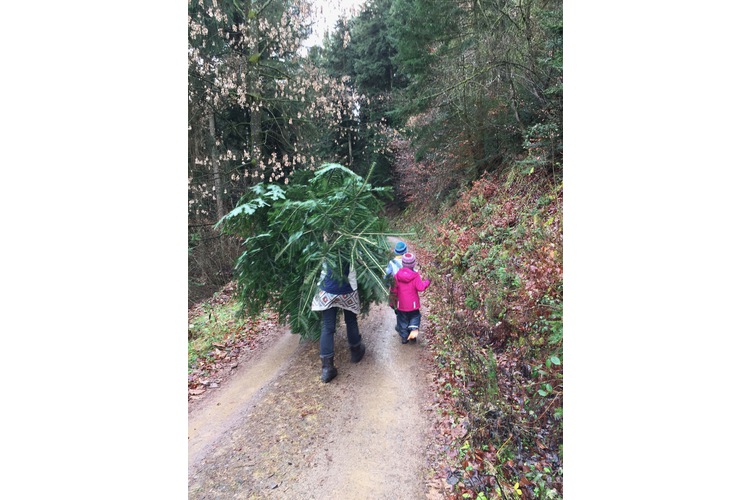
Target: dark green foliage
x,y
375,69
330,215
338,55
364,50
415,27
361,52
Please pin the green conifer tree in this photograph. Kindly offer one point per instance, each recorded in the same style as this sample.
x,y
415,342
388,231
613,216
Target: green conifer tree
x,y
329,216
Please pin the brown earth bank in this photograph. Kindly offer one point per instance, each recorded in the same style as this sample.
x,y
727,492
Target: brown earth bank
x,y
274,430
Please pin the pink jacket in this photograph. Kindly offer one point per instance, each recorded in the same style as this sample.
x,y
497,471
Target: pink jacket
x,y
408,284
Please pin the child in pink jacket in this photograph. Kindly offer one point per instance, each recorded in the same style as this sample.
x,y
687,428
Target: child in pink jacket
x,y
408,285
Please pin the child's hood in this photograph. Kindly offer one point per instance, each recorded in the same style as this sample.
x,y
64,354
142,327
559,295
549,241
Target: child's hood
x,y
405,275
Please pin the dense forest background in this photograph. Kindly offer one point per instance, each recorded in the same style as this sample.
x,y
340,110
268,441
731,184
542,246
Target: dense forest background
x,y
433,94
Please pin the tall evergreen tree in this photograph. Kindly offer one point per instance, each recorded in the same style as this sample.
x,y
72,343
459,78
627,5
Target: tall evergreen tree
x,y
338,56
360,51
375,70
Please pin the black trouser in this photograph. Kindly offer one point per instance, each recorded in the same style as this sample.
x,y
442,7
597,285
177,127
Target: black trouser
x,y
329,328
406,321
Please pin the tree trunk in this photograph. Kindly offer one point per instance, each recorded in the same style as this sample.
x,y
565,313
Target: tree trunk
x,y
351,157
255,134
254,83
218,186
514,103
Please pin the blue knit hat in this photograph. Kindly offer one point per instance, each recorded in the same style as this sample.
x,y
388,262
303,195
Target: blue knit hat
x,y
400,248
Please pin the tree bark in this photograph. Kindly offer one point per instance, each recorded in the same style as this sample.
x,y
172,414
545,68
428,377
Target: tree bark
x,y
254,83
218,186
351,157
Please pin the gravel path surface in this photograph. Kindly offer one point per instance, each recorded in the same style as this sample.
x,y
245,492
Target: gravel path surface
x,y
274,430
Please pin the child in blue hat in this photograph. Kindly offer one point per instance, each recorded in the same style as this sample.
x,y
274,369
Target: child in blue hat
x,y
390,272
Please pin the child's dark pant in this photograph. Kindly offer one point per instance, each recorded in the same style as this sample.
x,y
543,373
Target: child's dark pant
x,y
406,321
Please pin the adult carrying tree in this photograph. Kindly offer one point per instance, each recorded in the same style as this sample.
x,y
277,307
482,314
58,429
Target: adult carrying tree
x,y
330,215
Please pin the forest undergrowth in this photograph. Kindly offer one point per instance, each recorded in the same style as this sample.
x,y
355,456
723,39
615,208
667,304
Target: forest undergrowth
x,y
218,338
496,310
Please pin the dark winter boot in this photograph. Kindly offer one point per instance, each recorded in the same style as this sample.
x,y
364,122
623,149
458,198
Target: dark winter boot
x,y
357,352
329,371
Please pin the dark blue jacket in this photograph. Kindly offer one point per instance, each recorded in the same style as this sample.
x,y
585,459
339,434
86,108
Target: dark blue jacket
x,y
330,285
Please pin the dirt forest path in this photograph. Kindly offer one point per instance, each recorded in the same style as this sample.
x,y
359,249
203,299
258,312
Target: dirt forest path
x,y
274,430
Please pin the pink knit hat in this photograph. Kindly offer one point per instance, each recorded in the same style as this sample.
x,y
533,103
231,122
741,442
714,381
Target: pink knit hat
x,y
408,260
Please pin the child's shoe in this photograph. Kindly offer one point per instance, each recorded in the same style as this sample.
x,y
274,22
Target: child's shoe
x,y
413,335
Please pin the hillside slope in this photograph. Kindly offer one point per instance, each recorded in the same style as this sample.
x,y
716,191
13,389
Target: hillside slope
x,y
496,254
